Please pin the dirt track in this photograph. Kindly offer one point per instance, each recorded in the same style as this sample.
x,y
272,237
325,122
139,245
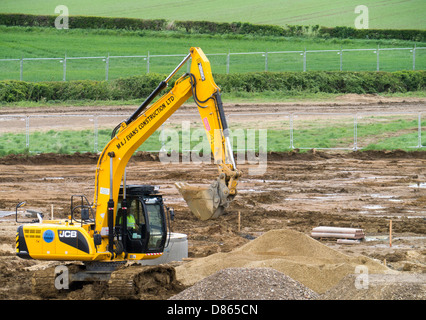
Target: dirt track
x,y
297,192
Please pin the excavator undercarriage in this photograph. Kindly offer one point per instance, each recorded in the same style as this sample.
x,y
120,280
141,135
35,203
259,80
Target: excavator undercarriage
x,y
111,280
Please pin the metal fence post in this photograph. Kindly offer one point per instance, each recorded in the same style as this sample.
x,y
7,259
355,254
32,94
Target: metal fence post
x,y
163,142
291,131
95,134
304,61
27,132
228,60
107,67
147,63
378,57
355,132
266,60
21,69
419,145
64,76
414,57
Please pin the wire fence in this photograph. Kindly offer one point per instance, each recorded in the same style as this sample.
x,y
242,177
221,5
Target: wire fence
x,y
111,67
279,131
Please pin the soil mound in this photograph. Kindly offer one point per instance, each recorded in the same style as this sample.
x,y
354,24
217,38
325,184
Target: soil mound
x,y
293,253
247,284
379,287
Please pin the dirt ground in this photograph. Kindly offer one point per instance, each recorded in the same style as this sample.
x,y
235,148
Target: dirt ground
x,y
298,191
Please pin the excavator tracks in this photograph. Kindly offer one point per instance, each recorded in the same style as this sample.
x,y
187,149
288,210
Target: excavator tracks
x,y
142,282
43,282
128,282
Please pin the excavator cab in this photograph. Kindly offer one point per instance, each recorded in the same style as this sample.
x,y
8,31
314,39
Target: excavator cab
x,y
143,223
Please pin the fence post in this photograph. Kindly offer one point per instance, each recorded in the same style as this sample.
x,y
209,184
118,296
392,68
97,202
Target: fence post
x,y
147,63
163,142
95,134
107,67
414,57
341,59
378,57
64,75
21,69
355,132
27,132
228,60
291,131
304,61
266,60
419,145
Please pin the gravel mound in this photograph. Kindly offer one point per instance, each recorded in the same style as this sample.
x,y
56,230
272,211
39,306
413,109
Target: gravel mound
x,y
287,251
247,284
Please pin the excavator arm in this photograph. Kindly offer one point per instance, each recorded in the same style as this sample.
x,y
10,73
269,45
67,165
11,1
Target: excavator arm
x,y
205,202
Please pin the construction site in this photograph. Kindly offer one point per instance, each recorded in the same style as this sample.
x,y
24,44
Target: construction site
x,y
264,246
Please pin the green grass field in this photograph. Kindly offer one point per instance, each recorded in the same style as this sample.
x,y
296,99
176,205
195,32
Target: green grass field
x,y
386,132
392,14
18,42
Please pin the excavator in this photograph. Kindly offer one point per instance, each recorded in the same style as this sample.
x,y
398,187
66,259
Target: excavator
x,y
100,235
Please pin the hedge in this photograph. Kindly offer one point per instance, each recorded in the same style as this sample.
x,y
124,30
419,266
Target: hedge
x,y
352,33
141,86
82,22
88,22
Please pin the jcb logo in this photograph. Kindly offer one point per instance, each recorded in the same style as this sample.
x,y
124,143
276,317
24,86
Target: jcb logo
x,y
67,234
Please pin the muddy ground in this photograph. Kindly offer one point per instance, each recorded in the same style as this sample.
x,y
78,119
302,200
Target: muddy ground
x,y
298,191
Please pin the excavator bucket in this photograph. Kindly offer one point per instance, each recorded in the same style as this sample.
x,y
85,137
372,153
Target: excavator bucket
x,y
205,202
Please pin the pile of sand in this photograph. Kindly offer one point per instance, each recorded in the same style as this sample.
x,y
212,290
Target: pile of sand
x,y
293,253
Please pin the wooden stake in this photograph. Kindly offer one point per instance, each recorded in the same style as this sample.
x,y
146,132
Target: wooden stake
x,y
51,212
390,233
239,221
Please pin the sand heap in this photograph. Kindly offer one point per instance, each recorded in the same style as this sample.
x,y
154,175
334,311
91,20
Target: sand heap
x,y
295,254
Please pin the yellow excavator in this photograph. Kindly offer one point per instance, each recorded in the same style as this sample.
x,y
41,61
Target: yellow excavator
x,y
100,235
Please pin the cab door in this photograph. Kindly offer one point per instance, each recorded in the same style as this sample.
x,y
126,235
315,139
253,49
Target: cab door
x,y
156,226
135,232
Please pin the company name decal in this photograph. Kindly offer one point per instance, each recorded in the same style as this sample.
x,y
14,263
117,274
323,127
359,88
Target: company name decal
x,y
145,122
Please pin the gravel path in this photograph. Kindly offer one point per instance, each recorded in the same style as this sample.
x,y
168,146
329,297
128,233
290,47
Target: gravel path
x,y
247,284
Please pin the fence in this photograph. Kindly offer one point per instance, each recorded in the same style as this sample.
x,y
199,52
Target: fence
x,y
285,131
110,67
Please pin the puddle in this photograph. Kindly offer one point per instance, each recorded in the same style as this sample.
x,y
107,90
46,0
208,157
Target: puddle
x,y
6,213
264,181
374,207
249,190
52,178
420,185
380,196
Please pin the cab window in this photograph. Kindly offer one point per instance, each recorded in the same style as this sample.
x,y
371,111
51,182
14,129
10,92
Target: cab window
x,y
156,226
